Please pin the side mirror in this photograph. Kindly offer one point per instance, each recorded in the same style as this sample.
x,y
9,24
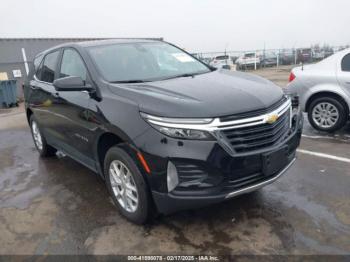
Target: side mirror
x,y
71,83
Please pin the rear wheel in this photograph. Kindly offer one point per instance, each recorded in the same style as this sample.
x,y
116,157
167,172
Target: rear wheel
x,y
45,150
127,186
327,114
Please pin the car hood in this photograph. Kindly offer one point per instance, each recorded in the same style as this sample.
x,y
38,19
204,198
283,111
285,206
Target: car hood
x,y
218,93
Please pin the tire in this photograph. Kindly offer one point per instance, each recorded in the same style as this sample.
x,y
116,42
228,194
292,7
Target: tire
x,y
139,214
44,149
334,107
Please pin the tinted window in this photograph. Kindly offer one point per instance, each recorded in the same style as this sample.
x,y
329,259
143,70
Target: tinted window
x,y
345,63
46,71
72,64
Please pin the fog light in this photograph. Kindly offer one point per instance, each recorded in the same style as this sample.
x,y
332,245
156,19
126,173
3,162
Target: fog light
x,y
172,177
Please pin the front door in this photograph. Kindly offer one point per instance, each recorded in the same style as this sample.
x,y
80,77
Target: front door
x,y
72,113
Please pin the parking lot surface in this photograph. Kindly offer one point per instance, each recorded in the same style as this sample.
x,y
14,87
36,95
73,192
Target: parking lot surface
x,y
57,206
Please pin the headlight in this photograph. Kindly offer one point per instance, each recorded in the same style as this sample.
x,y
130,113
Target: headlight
x,y
184,133
182,128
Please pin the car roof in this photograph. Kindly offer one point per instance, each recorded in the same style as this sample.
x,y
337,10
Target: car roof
x,y
91,43
114,41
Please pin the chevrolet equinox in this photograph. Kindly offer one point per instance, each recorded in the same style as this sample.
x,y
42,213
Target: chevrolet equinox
x,y
165,131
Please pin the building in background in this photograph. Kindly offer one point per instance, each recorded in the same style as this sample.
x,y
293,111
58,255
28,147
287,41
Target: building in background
x,y
17,54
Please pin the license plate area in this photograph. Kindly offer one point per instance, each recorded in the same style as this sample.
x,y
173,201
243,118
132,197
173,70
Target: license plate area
x,y
275,161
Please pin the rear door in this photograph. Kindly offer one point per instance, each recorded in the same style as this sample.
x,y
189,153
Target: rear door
x,y
42,96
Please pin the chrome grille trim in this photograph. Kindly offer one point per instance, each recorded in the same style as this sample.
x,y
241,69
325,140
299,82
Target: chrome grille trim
x,y
261,184
216,124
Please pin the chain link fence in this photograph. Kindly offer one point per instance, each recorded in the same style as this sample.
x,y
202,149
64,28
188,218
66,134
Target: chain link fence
x,y
257,59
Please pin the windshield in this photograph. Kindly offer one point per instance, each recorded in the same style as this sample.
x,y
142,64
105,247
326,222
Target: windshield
x,y
148,61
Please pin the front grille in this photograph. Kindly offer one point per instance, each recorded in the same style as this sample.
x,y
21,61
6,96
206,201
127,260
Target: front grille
x,y
246,139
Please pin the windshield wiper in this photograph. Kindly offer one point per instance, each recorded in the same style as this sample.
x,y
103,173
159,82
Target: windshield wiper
x,y
128,81
176,76
155,79
185,75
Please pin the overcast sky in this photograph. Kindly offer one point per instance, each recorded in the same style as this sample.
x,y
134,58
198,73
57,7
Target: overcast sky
x,y
196,25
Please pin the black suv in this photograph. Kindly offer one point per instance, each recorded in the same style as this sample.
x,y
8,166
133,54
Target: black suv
x,y
164,130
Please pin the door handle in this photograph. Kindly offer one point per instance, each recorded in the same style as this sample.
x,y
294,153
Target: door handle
x,y
56,95
33,87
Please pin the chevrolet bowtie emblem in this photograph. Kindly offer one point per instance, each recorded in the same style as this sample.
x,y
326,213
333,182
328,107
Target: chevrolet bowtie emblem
x,y
272,118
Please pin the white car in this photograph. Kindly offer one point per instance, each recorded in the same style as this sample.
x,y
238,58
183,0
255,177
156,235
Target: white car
x,y
248,60
324,91
222,61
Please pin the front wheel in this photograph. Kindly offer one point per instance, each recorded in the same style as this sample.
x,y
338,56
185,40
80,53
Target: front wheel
x,y
327,114
127,186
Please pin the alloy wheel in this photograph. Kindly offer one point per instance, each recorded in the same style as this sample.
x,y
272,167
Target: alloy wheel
x,y
325,115
123,186
37,136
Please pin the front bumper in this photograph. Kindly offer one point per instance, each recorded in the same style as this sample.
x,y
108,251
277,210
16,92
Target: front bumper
x,y
168,203
207,172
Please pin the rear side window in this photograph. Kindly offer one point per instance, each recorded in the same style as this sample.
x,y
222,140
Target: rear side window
x,y
46,71
345,63
72,64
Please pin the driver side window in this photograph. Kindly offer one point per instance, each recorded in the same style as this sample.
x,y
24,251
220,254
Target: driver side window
x,y
72,65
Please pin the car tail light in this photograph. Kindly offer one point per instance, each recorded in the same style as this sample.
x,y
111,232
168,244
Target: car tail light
x,y
291,77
